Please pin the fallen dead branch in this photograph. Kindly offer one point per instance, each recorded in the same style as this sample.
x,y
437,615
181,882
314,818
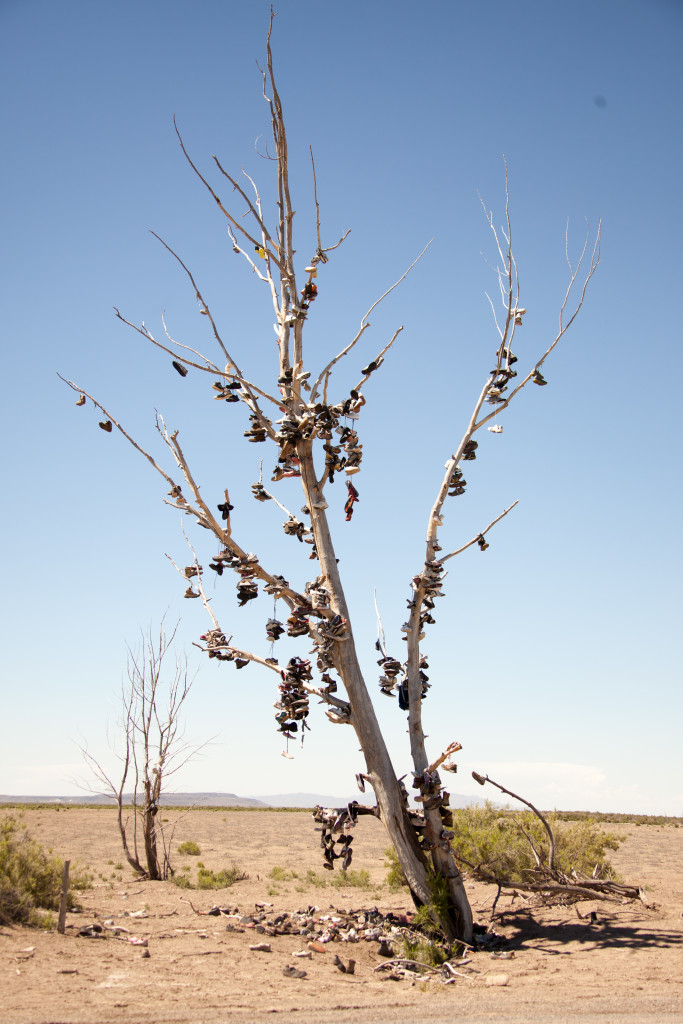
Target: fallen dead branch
x,y
408,967
547,883
203,952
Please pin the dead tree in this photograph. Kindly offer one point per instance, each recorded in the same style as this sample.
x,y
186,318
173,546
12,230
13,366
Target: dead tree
x,y
315,434
152,749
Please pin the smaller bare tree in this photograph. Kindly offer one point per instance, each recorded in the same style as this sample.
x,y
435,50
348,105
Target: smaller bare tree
x,y
152,749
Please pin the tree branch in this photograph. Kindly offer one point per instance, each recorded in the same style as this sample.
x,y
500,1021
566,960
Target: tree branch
x,y
475,540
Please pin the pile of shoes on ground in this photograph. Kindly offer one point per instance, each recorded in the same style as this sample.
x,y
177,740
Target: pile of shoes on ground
x,y
338,926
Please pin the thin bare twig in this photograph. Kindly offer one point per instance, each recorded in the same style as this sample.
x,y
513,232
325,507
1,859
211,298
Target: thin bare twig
x,y
482,779
483,533
364,324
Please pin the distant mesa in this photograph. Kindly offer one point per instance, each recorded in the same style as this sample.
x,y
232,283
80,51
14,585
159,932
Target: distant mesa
x,y
221,800
167,800
311,799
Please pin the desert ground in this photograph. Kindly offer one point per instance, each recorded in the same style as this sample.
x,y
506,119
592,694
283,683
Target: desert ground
x,y
616,962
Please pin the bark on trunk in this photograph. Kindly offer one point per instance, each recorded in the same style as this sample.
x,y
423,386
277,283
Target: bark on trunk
x,y
456,920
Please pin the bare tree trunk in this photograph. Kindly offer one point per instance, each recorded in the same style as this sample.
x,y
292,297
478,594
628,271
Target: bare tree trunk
x,y
380,771
148,732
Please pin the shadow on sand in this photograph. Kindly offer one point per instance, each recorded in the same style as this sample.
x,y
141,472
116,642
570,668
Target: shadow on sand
x,y
604,932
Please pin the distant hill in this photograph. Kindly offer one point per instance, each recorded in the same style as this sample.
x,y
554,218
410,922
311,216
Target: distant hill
x,y
167,800
311,799
308,799
223,800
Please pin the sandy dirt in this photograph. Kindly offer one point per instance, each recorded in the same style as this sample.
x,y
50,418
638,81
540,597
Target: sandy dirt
x,y
625,965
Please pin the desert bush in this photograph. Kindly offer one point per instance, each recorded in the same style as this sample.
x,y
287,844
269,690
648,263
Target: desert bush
x,y
278,873
208,879
396,878
422,950
492,842
30,878
189,847
339,880
353,879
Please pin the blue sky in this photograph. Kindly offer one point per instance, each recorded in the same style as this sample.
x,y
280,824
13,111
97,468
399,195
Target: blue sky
x,y
553,660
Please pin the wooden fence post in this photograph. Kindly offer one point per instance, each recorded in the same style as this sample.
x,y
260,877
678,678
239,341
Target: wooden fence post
x,y
61,923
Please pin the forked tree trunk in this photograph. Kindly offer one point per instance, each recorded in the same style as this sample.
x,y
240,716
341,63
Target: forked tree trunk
x,y
456,922
151,852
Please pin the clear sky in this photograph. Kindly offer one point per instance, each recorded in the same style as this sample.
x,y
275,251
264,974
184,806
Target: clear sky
x,y
554,660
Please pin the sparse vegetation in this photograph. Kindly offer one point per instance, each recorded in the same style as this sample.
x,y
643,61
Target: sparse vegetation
x,y
190,848
339,880
396,878
209,879
494,843
423,951
30,878
280,874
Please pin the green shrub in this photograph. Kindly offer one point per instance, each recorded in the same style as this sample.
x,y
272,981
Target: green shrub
x,y
30,878
396,878
490,841
354,879
422,950
208,879
189,847
278,874
338,879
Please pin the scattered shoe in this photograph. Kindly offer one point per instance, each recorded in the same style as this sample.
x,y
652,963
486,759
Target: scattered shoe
x,y
293,972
